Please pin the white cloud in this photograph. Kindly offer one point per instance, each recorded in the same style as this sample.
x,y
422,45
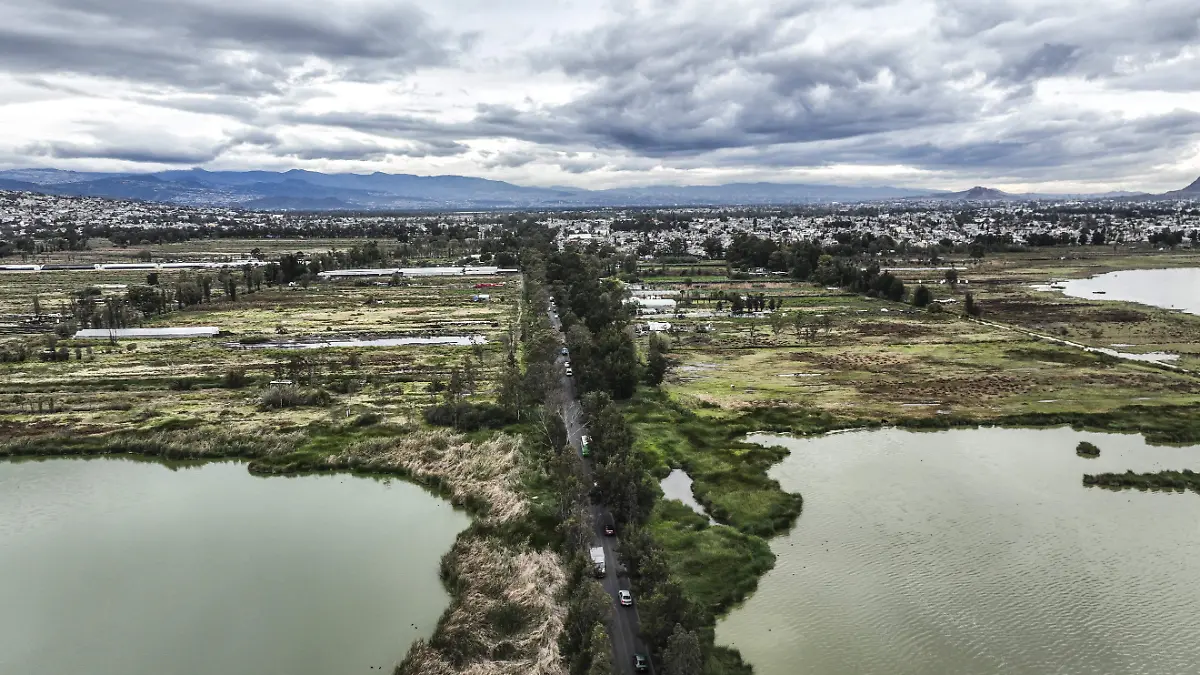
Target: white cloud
x,y
1024,94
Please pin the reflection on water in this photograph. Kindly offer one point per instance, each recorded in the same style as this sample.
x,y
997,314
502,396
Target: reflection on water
x,y
111,567
976,551
448,340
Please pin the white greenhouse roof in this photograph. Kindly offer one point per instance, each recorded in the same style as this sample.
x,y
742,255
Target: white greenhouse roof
x,y
184,332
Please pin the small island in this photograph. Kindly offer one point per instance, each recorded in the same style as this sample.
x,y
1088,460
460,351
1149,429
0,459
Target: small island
x,y
1178,481
1086,449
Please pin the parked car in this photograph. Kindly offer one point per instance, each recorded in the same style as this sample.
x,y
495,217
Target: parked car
x,y
570,372
640,663
610,528
626,598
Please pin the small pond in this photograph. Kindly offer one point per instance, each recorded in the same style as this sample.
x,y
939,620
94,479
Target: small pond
x,y
678,486
1169,288
446,340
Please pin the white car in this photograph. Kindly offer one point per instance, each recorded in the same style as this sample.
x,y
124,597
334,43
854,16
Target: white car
x,y
570,373
625,598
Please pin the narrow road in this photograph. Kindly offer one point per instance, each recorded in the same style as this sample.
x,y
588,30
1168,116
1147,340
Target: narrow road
x,y
623,630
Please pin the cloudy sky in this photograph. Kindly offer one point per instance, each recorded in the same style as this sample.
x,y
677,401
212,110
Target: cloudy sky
x,y
1052,95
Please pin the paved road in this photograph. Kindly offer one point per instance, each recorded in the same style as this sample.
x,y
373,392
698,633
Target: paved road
x,y
623,630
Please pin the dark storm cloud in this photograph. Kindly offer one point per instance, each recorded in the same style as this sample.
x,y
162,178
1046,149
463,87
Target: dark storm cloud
x,y
1086,146
128,153
703,85
343,149
1046,61
245,47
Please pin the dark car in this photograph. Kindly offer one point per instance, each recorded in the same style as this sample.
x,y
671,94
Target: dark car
x,y
610,528
640,663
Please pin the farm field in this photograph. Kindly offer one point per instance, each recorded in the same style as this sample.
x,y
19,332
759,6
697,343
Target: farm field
x,y
146,384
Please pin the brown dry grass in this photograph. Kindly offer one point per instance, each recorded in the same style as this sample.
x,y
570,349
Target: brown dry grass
x,y
485,472
492,578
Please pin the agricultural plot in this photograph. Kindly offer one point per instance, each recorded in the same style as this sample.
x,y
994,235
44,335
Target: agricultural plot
x,y
225,382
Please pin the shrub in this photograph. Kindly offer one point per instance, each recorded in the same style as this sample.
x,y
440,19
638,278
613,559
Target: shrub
x,y
235,378
468,416
288,396
922,297
367,420
1085,449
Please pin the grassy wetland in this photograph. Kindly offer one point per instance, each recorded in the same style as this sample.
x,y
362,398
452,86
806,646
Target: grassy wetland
x,y
826,359
247,395
269,391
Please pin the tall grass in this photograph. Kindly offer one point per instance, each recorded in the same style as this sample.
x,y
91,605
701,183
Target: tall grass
x,y
507,620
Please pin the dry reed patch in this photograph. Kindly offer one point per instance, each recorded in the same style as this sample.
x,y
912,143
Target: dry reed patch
x,y
507,620
487,471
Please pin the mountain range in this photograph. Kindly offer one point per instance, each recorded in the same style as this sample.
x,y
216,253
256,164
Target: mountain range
x,y
300,190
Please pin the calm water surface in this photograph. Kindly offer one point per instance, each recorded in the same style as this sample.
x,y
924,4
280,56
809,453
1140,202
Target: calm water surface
x,y
678,486
976,552
115,567
1172,289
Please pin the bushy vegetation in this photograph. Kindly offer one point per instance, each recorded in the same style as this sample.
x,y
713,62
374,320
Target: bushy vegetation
x,y
1162,425
235,378
1086,449
1162,480
278,396
467,416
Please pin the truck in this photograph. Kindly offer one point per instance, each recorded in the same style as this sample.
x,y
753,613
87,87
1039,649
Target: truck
x,y
598,560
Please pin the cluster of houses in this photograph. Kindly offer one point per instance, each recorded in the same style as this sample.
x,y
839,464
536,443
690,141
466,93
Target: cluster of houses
x,y
916,226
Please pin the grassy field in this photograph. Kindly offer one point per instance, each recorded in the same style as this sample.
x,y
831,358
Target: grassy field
x,y
855,357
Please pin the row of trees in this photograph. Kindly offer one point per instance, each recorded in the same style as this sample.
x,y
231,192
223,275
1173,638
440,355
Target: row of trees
x,y
607,368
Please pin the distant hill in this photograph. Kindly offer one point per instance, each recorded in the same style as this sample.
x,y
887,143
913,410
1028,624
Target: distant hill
x,y
309,190
979,194
1190,192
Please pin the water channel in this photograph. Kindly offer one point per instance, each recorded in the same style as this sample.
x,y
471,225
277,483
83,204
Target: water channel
x,y
118,567
1168,288
976,552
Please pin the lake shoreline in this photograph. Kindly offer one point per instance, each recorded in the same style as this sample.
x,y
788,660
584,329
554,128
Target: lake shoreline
x,y
479,477
740,496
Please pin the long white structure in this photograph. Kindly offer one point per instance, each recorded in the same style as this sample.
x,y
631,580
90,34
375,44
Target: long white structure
x,y
159,333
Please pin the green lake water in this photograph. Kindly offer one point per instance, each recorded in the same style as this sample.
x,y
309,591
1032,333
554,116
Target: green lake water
x,y
976,552
117,567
